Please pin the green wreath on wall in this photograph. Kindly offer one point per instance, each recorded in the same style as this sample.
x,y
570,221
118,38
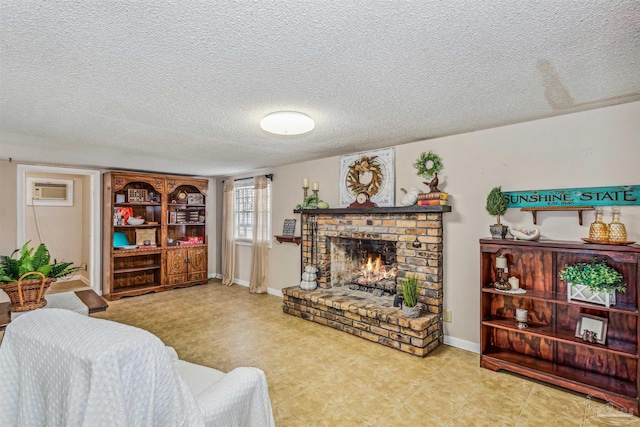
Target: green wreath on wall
x,y
428,164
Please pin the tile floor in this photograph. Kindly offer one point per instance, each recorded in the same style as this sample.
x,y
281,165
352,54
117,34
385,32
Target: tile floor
x,y
322,377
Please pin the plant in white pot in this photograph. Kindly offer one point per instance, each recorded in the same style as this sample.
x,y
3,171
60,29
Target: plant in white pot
x,y
410,294
593,282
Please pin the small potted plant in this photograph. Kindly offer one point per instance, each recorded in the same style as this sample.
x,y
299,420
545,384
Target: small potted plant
x,y
593,282
410,294
497,205
26,278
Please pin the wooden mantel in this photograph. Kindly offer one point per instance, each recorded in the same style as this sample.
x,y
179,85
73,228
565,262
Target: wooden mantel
x,y
378,210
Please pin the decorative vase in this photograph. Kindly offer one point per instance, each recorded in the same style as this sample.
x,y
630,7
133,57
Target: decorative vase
x,y
583,293
617,230
498,231
598,230
410,311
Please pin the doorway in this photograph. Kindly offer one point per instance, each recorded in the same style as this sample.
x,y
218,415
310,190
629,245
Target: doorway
x,y
72,231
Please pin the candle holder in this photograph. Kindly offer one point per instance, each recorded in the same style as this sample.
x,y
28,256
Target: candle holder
x,y
305,190
522,317
315,192
501,267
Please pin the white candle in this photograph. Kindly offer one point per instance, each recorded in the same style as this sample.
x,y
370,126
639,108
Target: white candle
x,y
315,186
514,282
522,315
305,183
501,262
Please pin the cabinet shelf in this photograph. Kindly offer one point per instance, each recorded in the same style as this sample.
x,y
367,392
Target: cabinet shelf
x,y
561,299
174,224
620,347
186,206
556,371
138,226
134,269
138,204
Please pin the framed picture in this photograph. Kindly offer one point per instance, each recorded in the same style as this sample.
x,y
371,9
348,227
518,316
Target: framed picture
x,y
372,172
289,227
120,198
173,217
195,199
595,324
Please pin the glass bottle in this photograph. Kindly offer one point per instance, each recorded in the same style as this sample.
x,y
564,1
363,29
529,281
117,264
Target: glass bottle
x,y
598,229
617,231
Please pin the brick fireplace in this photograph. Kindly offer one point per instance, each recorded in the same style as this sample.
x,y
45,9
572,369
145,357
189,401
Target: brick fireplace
x,y
344,244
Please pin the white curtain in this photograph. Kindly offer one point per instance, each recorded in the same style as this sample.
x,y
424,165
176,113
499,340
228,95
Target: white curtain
x,y
228,232
261,238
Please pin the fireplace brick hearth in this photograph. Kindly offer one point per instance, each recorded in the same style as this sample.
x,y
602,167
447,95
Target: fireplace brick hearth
x,y
359,313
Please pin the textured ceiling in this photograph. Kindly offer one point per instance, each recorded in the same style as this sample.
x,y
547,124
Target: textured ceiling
x,y
181,86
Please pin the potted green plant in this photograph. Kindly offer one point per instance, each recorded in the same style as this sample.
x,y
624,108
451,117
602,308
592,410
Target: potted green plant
x,y
593,282
27,277
497,205
410,294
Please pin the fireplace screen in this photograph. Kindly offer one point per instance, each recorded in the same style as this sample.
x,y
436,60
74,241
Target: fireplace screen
x,y
368,265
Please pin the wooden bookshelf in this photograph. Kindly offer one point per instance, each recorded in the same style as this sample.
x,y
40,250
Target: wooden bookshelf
x,y
548,349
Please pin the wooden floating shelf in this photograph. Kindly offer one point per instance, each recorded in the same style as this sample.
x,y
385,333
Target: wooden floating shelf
x,y
579,209
288,239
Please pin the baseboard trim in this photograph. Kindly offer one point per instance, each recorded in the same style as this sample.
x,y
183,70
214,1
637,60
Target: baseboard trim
x,y
275,292
462,344
241,282
270,291
214,276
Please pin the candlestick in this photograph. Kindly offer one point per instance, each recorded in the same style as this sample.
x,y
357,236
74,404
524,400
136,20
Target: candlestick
x,y
501,266
522,317
305,183
315,186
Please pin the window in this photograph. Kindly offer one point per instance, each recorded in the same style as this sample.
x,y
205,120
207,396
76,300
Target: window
x,y
244,210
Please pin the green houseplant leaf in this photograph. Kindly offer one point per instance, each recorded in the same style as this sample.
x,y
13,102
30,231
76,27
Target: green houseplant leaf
x,y
29,260
410,291
596,275
496,203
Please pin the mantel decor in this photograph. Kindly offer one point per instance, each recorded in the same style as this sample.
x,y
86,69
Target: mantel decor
x,y
371,172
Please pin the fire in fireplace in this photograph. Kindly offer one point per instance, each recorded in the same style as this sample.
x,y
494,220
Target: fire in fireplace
x,y
366,265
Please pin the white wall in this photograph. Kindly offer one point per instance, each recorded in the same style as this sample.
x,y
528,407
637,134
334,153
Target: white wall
x,y
588,149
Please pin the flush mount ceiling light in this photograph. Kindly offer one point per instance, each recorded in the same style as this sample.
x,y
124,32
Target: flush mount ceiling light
x,y
287,123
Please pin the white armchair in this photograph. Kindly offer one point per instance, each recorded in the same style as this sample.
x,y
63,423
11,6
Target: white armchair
x,y
59,368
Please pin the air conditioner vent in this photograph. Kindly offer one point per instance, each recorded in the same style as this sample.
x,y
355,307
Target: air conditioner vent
x,y
49,192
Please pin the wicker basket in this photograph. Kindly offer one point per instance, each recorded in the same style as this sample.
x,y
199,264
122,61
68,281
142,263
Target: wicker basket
x,y
27,295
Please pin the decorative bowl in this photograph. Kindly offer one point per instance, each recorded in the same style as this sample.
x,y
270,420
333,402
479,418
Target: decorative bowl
x,y
525,234
135,221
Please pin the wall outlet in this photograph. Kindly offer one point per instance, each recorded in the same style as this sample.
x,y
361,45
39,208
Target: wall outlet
x,y
448,316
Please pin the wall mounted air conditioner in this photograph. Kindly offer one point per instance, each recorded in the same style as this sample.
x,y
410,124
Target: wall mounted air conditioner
x,y
49,192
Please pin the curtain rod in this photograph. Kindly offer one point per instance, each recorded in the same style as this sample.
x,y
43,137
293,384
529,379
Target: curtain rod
x,y
269,175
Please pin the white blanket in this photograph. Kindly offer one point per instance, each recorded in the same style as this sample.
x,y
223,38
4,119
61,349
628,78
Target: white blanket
x,y
59,368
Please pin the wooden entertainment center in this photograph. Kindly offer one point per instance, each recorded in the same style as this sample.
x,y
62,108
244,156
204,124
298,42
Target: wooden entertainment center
x,y
548,349
174,210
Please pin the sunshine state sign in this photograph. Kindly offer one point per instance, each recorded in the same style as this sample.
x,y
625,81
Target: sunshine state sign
x,y
594,196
